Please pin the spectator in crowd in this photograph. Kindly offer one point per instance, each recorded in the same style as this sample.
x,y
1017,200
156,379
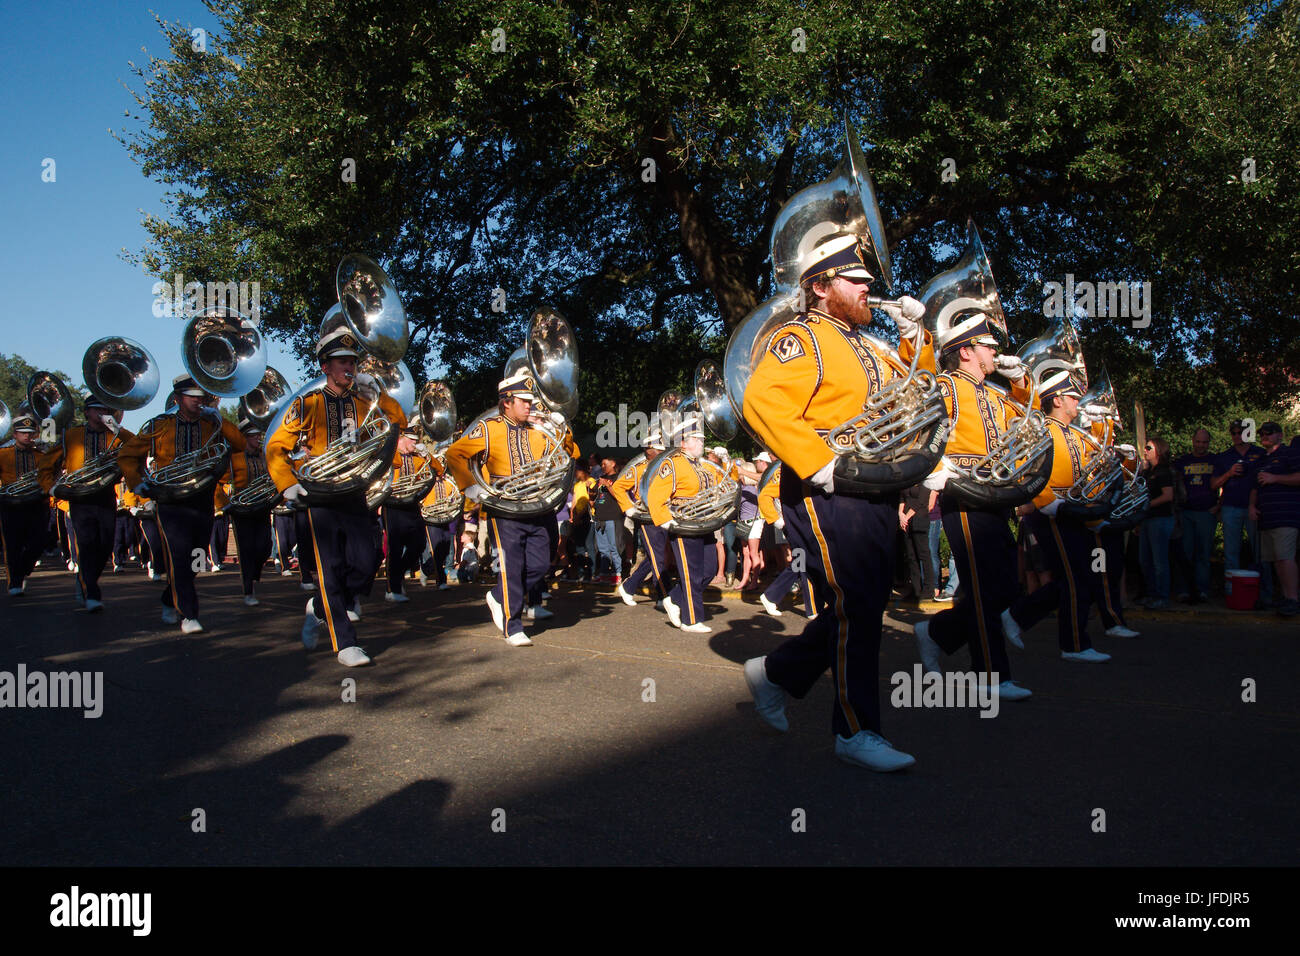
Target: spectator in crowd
x,y
1233,481
1201,499
606,516
941,592
579,523
1158,527
1275,504
746,520
914,525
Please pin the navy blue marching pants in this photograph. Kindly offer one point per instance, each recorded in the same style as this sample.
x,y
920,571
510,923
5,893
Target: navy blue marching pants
x,y
153,543
220,541
123,537
1107,581
286,536
253,542
439,537
985,552
93,524
781,584
848,545
1067,545
306,557
24,529
343,544
186,530
655,541
405,530
697,563
524,552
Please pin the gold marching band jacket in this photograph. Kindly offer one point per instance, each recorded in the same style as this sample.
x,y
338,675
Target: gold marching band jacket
x,y
406,465
1068,453
167,436
979,415
627,489
445,487
245,468
315,420
16,462
814,375
78,445
677,477
769,499
506,448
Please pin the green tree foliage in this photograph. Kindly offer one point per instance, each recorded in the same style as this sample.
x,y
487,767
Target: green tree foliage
x,y
625,163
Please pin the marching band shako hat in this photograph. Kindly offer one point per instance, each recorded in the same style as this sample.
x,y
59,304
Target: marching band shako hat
x,y
340,343
973,330
1059,384
841,256
185,385
25,421
519,385
93,402
688,427
250,427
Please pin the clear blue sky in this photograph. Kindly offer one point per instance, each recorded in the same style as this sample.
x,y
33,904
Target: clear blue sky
x,y
66,76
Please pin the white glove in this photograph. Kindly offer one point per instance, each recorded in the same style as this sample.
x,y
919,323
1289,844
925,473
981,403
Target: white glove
x,y
780,523
1049,509
938,478
1128,451
1085,419
473,492
1096,412
906,315
111,424
294,492
558,420
825,478
667,525
134,509
629,524
629,510
1011,367
422,449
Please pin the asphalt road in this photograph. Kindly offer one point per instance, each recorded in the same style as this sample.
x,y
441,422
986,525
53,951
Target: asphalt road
x,y
460,749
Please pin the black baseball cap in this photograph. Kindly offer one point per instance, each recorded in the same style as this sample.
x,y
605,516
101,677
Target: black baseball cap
x,y
1270,428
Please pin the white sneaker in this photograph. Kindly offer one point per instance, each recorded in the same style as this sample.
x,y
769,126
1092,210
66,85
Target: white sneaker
x,y
495,607
1119,630
519,640
311,627
768,606
697,628
251,600
674,613
1010,690
307,586
1011,630
191,626
286,573
422,578
215,568
354,612
931,653
93,606
538,613
169,615
769,698
353,657
1091,655
870,750
393,598
627,599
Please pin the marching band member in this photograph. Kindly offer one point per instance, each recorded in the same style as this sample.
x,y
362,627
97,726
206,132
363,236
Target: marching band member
x,y
23,525
769,512
813,376
92,521
1107,581
219,542
185,526
1067,542
252,530
981,540
123,528
285,535
680,477
440,537
523,543
342,534
402,522
627,492
145,517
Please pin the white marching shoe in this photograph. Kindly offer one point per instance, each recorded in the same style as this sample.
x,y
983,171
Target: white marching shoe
x,y
868,749
931,653
311,628
353,657
697,628
1012,630
627,598
169,615
191,626
394,598
1119,630
1091,655
1010,690
93,606
769,698
251,600
538,613
354,612
495,607
673,611
768,606
519,640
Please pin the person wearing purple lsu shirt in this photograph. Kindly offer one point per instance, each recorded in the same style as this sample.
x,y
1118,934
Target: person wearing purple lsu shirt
x,y
1196,472
1232,481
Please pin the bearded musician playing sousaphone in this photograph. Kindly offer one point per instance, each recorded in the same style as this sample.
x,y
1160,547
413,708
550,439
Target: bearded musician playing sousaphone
x,y
341,527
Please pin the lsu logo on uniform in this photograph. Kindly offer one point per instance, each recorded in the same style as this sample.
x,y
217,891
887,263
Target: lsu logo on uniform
x,y
788,348
666,470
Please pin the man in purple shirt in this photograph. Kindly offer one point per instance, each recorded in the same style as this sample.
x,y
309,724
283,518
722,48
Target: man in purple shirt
x,y
1232,481
1196,472
1275,503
